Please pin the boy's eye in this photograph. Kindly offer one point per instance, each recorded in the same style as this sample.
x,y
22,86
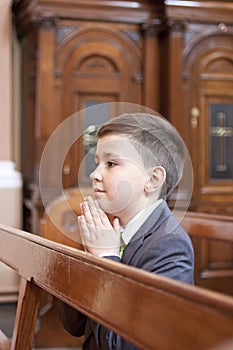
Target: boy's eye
x,y
111,164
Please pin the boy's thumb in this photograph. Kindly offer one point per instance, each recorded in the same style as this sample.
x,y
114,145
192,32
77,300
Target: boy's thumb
x,y
116,224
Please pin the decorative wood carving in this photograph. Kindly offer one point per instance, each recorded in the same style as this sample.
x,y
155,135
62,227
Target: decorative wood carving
x,y
79,53
208,67
201,65
200,80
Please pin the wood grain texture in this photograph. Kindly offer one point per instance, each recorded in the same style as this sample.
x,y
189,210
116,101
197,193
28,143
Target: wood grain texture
x,y
213,248
151,311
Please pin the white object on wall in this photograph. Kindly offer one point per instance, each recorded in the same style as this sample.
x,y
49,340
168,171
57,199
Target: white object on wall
x,y
10,214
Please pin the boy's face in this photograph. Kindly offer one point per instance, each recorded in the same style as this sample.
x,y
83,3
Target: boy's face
x,y
119,179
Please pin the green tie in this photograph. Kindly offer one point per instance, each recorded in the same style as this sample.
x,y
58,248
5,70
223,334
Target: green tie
x,y
122,247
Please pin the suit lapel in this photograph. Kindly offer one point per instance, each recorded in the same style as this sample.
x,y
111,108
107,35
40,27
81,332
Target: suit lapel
x,y
147,228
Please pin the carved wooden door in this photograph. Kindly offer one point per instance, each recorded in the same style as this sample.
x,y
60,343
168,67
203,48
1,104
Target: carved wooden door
x,y
95,64
209,105
209,74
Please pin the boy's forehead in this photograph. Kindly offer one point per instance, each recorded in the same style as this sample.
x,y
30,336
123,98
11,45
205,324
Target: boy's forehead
x,y
115,145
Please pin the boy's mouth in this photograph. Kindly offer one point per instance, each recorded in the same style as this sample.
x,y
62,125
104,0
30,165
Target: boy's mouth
x,y
98,190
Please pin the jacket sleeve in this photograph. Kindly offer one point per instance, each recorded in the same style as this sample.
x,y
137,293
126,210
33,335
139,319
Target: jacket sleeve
x,y
73,320
171,256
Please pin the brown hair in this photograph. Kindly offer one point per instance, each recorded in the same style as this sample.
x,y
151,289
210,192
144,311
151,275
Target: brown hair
x,y
155,139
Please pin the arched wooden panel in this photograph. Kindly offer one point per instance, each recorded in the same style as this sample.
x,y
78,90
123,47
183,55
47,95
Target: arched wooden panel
x,y
208,72
95,65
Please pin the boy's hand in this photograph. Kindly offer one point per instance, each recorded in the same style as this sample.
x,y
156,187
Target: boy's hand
x,y
98,235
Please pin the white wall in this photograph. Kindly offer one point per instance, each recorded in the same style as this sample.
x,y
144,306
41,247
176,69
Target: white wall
x,y
5,82
10,179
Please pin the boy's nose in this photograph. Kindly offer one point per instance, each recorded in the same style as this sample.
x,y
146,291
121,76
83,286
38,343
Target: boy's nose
x,y
96,175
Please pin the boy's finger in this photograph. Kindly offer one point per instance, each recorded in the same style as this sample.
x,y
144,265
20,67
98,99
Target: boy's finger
x,y
94,212
83,228
103,216
87,214
116,224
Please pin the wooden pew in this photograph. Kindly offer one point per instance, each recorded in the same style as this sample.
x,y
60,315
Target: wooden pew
x,y
209,226
151,311
212,237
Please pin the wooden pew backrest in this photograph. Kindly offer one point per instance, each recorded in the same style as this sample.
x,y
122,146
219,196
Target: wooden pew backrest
x,y
59,222
151,311
212,237
209,226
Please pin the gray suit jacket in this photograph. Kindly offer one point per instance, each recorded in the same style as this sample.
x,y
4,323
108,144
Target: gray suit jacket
x,y
160,246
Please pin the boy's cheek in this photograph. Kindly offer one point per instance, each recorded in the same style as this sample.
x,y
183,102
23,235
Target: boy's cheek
x,y
122,194
114,206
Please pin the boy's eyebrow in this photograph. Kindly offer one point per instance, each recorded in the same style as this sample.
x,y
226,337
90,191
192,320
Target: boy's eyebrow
x,y
111,154
107,155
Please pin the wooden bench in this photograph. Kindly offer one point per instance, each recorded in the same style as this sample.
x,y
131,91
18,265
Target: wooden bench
x,y
151,311
209,226
212,237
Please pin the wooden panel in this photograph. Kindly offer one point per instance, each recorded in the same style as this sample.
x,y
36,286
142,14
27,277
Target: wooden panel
x,y
95,64
209,86
205,46
112,293
213,246
74,53
126,11
200,11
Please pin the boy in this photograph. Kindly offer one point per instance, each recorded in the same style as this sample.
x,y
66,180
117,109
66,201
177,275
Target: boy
x,y
140,160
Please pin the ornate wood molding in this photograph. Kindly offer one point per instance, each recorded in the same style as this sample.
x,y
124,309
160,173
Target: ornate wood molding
x,y
176,26
140,11
199,11
153,27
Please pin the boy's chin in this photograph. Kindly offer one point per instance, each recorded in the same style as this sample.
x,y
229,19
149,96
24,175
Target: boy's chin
x,y
111,208
106,207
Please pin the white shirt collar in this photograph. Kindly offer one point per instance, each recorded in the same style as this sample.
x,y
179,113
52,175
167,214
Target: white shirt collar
x,y
134,224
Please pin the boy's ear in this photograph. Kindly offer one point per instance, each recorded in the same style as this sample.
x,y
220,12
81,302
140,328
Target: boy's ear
x,y
156,181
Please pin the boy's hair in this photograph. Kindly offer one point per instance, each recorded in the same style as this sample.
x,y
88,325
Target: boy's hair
x,y
155,139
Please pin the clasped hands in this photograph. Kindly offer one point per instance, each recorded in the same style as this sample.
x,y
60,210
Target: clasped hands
x,y
99,236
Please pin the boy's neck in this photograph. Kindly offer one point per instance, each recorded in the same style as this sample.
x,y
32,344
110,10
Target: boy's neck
x,y
127,217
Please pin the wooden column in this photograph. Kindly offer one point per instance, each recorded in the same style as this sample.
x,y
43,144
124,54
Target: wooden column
x,y
151,96
45,82
44,109
175,77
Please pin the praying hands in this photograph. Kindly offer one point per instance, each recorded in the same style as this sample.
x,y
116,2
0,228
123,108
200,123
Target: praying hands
x,y
99,236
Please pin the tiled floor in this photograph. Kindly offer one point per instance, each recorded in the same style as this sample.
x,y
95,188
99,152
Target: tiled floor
x,y
7,316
